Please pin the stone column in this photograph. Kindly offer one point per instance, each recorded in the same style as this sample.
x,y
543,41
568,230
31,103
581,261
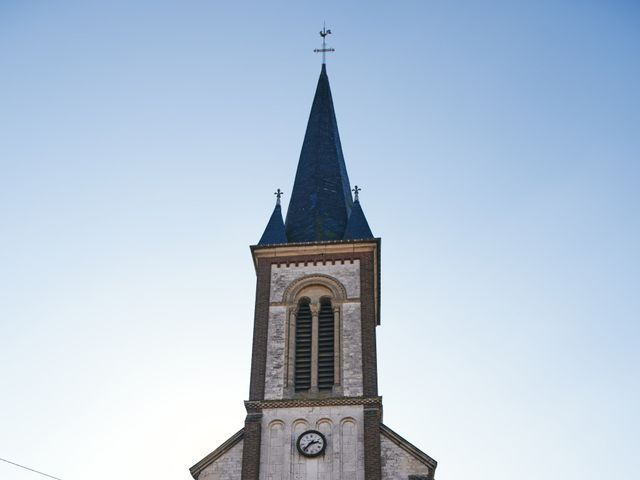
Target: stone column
x,y
337,346
291,348
315,310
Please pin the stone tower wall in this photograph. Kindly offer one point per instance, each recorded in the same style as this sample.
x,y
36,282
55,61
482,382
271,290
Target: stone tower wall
x,y
347,275
341,425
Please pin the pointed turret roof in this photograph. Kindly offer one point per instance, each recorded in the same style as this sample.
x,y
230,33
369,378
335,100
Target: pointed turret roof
x,y
274,233
357,227
321,198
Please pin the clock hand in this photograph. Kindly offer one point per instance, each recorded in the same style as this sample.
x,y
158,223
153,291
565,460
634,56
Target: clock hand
x,y
309,444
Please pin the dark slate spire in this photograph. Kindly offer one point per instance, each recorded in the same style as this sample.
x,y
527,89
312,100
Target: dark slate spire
x,y
321,199
357,227
274,233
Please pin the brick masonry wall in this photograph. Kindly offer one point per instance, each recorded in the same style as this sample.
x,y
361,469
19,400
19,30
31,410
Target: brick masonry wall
x,y
372,415
251,448
260,326
369,357
372,463
227,467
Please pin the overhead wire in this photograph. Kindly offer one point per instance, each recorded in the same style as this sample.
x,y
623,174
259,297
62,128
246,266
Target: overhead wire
x,y
30,469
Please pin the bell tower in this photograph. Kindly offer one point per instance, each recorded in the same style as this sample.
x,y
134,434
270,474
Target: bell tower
x,y
314,411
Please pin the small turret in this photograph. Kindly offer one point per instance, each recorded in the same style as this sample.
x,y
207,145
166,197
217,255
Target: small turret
x,y
274,233
357,226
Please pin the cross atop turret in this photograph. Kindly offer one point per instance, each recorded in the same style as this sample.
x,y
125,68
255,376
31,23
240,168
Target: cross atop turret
x,y
356,190
278,193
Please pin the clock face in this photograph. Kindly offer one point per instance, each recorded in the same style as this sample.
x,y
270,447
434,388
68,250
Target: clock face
x,y
311,443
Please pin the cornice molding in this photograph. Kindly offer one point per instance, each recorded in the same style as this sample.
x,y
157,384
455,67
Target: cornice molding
x,y
257,405
327,248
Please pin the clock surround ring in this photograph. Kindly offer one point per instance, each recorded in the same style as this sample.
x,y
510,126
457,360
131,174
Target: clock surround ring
x,y
311,455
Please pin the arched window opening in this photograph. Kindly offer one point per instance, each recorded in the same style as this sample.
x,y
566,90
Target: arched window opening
x,y
326,348
303,346
313,354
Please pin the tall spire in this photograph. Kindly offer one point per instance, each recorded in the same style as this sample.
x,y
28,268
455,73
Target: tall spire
x,y
321,207
321,198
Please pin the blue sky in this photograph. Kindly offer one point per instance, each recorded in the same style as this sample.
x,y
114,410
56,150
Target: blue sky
x,y
498,147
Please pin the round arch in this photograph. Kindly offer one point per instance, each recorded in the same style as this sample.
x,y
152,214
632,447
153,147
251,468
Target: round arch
x,y
338,291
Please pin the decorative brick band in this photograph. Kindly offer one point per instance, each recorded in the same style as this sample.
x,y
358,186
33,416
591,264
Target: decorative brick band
x,y
331,261
257,406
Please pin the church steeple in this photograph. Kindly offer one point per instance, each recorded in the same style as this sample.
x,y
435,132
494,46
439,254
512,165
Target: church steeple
x,y
321,198
314,410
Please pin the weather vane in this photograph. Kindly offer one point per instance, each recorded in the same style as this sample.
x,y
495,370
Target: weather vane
x,y
356,190
323,33
278,193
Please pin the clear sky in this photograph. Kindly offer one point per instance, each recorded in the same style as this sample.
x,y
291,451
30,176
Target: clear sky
x,y
498,148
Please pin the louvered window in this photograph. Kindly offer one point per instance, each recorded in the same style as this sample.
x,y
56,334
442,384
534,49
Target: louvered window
x,y
303,347
325,346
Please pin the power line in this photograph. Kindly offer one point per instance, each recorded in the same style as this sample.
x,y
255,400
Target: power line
x,y
30,469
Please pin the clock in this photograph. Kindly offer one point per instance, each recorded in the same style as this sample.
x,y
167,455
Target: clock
x,y
311,443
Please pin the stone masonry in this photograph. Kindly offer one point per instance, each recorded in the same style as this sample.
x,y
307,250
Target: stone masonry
x,y
398,464
226,467
341,425
345,273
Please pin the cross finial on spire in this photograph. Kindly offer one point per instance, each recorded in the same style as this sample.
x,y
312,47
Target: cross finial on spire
x,y
355,191
278,193
323,33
